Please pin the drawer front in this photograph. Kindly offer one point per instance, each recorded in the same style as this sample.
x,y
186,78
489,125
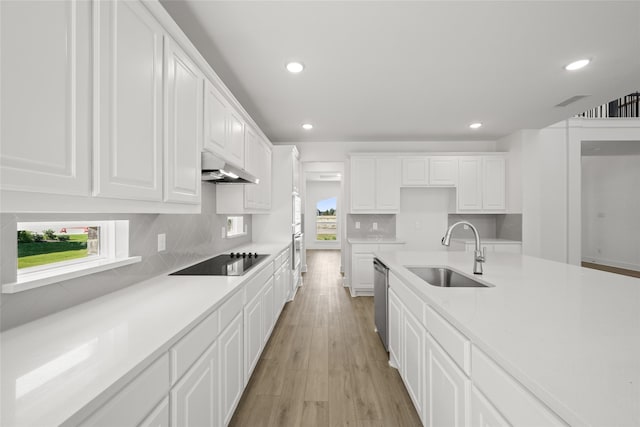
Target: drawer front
x,y
192,345
509,397
131,405
253,287
455,344
230,309
364,248
412,302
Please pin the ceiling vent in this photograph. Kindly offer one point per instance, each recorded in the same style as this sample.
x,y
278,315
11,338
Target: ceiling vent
x,y
571,100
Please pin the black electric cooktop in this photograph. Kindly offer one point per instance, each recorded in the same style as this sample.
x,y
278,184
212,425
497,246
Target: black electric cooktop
x,y
233,264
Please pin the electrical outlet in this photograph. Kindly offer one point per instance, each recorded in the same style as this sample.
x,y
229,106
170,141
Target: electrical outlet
x,y
162,242
357,225
375,225
223,232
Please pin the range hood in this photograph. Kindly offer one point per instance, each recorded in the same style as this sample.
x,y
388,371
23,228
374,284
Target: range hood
x,y
219,171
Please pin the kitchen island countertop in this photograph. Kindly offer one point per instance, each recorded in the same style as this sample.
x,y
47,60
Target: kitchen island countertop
x,y
571,335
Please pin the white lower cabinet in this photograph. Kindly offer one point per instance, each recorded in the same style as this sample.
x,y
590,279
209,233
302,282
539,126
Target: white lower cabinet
x,y
159,417
483,414
269,311
253,338
362,280
395,330
231,383
447,389
413,359
194,399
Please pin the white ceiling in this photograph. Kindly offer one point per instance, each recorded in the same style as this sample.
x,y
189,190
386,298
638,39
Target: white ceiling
x,y
415,70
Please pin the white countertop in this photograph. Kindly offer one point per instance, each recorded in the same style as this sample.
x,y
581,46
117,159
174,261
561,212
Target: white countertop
x,y
375,240
569,334
484,240
67,364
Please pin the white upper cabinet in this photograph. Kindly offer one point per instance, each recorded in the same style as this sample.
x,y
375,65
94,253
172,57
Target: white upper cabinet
x,y
183,138
46,96
128,102
443,171
375,184
482,184
215,120
494,171
433,171
236,141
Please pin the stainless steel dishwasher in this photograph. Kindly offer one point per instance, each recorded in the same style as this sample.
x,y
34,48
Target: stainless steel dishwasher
x,y
380,296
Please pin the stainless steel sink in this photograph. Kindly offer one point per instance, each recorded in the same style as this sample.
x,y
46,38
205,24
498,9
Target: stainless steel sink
x,y
445,277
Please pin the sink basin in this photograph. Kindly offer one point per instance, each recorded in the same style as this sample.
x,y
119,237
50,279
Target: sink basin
x,y
445,277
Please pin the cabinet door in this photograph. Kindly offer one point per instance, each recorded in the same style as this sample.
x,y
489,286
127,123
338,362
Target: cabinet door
x,y
253,337
395,330
235,148
415,172
447,389
494,185
269,310
363,271
46,96
231,369
413,363
159,417
387,184
215,120
266,178
253,165
483,414
443,171
194,399
470,184
128,102
363,184
182,142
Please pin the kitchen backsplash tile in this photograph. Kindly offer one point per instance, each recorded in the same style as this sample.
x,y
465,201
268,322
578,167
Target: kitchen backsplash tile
x,y
490,226
386,226
509,226
190,237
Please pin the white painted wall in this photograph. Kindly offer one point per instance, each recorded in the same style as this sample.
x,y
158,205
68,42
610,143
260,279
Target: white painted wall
x,y
316,191
422,220
610,210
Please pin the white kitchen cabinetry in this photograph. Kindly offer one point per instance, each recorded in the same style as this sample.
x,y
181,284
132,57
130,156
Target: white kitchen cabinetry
x,y
249,198
231,372
413,336
128,102
159,417
282,279
45,108
223,128
436,171
481,184
483,413
375,184
269,311
236,143
183,137
447,389
194,399
362,265
253,341
395,330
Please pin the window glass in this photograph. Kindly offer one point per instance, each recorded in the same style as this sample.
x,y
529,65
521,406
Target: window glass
x,y
235,226
326,219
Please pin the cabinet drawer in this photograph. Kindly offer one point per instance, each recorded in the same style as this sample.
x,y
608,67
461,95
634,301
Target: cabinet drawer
x,y
230,309
454,343
131,405
515,402
412,302
253,287
192,345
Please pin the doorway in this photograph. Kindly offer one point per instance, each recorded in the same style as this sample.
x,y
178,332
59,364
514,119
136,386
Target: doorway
x,y
324,214
610,205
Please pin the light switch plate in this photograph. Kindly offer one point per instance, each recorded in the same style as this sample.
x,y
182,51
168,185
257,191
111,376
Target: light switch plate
x,y
162,242
357,225
375,225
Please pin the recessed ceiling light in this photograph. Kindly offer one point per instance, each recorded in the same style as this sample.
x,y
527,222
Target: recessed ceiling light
x,y
576,65
307,126
295,67
475,125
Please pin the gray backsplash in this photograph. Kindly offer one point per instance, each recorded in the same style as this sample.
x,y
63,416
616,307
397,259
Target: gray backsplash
x,y
490,226
190,237
386,224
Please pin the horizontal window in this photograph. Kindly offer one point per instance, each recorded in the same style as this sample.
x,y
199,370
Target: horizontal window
x,y
235,226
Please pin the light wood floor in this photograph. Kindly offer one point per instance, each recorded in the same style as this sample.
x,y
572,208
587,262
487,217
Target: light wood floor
x,y
324,364
610,269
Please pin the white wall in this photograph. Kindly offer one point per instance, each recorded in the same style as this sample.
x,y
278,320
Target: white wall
x,y
422,220
610,210
316,191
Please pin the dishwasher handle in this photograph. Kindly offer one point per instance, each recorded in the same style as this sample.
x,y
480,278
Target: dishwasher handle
x,y
379,266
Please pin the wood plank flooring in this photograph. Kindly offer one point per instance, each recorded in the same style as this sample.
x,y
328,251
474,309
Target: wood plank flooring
x,y
324,365
610,269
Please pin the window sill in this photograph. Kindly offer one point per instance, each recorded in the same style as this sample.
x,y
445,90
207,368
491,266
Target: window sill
x,y
233,236
48,277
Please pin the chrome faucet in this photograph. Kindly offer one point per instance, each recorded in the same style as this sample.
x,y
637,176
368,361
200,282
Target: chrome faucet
x,y
479,255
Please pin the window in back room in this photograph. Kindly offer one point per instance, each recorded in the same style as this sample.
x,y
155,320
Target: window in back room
x,y
326,219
